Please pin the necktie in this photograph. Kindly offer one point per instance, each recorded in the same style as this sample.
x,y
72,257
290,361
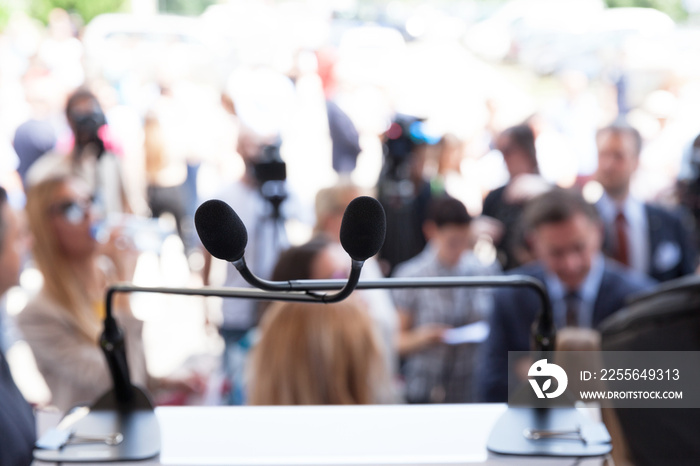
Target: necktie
x,y
573,305
621,237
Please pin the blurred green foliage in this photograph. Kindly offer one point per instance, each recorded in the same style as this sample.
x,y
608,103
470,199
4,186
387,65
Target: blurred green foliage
x,y
4,16
184,7
86,9
673,8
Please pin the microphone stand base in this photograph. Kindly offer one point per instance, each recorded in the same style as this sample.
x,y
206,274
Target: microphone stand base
x,y
512,434
136,422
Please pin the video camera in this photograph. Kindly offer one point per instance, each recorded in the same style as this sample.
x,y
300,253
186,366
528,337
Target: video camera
x,y
405,133
87,126
270,173
269,166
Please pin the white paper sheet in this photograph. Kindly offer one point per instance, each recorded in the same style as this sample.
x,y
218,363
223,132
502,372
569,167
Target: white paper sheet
x,y
472,333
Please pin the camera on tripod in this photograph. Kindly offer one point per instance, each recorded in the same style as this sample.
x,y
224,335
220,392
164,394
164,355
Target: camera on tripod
x,y
402,189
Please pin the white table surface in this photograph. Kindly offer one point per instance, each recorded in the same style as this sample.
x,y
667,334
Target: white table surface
x,y
325,435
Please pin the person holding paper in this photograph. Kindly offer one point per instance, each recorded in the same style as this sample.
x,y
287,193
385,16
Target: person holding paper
x,y
434,370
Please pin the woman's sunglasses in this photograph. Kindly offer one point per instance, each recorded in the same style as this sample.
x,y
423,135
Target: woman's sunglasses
x,y
75,212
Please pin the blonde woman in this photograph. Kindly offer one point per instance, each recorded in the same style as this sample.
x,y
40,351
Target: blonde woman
x,y
316,354
62,324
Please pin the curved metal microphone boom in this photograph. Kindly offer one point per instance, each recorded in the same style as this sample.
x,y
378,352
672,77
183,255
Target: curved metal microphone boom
x,y
362,234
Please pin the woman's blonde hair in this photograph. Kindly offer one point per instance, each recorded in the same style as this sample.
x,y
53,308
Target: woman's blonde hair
x,y
60,281
316,354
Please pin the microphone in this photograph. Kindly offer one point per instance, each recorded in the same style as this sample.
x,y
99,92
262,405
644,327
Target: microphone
x,y
363,228
221,230
362,233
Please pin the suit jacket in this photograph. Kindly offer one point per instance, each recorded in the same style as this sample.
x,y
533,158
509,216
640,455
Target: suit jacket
x,y
515,309
508,214
17,430
672,253
667,233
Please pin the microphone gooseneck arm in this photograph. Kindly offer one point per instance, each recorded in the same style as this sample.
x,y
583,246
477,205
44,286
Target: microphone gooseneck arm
x,y
114,348
350,285
300,285
544,331
257,282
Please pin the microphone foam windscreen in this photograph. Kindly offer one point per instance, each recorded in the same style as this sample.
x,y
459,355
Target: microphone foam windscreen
x,y
221,230
363,228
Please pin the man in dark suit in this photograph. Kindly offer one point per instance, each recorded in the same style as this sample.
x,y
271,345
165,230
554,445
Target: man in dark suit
x,y
565,234
17,431
647,238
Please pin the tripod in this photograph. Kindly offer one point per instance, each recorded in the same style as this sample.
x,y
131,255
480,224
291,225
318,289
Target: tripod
x,y
275,193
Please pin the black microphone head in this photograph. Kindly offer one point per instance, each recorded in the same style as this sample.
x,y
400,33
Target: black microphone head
x,y
221,230
363,228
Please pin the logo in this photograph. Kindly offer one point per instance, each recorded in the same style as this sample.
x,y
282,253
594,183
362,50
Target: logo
x,y
542,368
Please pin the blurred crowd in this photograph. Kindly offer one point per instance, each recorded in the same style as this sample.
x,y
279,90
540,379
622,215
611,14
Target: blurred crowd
x,y
593,194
